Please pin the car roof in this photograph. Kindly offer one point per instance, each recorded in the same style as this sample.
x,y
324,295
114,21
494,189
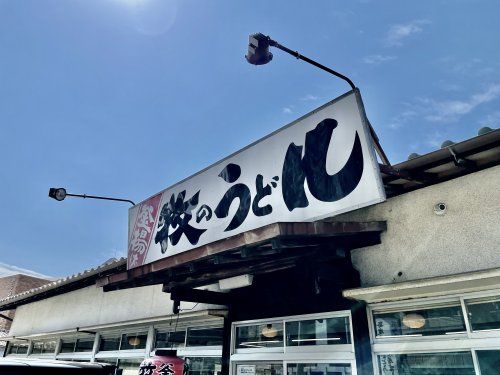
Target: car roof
x,y
31,362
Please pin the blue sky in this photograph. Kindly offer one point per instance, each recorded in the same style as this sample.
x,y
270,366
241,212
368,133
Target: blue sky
x,y
125,97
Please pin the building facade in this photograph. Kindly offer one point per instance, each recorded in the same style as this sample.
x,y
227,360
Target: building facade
x,y
407,286
11,286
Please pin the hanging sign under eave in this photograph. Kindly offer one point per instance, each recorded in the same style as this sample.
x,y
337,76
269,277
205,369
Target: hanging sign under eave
x,y
321,165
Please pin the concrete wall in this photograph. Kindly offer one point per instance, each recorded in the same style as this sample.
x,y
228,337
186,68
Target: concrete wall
x,y
421,244
91,306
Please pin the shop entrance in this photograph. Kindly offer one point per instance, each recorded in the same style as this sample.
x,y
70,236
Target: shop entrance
x,y
302,368
313,344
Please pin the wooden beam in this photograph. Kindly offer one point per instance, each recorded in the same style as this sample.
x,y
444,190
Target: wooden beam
x,y
210,278
253,246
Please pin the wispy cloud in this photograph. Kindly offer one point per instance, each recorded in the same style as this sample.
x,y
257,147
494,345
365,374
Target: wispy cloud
x,y
309,97
435,139
451,110
287,110
469,67
449,86
445,111
397,34
9,270
401,119
377,59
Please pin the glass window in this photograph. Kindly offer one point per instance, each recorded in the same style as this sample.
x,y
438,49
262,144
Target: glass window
x,y
11,348
489,361
170,339
84,345
49,346
43,347
22,348
260,369
484,313
329,331
67,346
130,366
204,365
109,343
204,337
423,322
37,348
134,341
458,363
319,369
268,335
17,347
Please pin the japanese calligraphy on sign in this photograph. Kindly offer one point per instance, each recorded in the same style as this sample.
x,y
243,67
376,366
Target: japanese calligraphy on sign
x,y
320,165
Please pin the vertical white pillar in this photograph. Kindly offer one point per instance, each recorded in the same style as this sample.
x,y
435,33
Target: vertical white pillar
x,y
150,340
95,348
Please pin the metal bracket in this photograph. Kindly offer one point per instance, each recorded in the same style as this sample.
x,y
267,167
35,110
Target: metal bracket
x,y
19,338
177,307
460,162
84,331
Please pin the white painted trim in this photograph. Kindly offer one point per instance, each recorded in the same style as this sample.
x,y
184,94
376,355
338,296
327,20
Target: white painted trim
x,y
469,341
464,283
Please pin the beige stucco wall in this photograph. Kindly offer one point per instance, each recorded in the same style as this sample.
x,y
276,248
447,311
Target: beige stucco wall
x,y
421,244
90,306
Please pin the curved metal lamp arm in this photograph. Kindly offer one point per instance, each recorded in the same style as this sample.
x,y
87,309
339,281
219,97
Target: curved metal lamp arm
x,y
104,198
312,62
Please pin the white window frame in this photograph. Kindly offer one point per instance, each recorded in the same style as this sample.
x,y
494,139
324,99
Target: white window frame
x,y
469,341
285,363
95,355
288,349
84,356
18,355
48,355
190,351
342,353
121,353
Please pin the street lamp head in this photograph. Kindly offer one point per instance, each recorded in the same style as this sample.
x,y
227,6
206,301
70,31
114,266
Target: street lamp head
x,y
258,49
57,193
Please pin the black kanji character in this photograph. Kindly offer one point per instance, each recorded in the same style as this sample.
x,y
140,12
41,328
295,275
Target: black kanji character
x,y
177,214
166,369
147,368
324,187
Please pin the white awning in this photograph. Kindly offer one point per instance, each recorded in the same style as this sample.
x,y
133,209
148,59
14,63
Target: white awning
x,y
430,287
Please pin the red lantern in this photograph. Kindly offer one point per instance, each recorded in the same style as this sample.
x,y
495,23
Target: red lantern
x,y
164,362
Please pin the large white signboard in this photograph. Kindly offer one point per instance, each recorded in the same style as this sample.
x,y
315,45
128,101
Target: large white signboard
x,y
320,165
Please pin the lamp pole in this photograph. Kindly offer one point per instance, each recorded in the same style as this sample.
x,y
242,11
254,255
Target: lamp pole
x,y
60,193
258,54
310,61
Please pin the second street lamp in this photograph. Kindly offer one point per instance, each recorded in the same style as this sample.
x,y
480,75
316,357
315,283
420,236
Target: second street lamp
x,y
60,193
